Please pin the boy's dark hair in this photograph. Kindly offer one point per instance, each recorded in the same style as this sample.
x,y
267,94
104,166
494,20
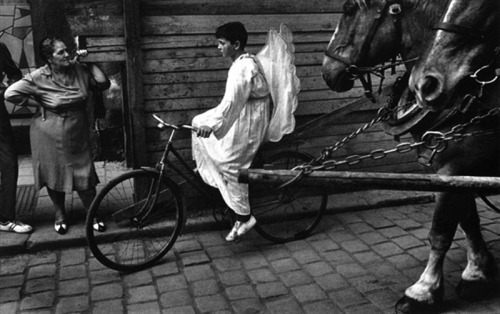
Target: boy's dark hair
x,y
233,31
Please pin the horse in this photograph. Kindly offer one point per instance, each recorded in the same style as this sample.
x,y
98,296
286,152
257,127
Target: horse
x,y
461,45
459,73
371,32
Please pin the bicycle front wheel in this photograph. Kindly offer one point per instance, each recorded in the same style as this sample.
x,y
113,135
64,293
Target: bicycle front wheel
x,y
290,213
143,214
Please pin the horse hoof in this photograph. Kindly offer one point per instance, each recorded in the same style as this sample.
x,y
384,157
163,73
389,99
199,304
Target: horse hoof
x,y
407,305
475,290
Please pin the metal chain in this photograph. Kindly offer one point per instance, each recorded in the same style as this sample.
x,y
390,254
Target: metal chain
x,y
383,114
374,155
433,140
328,151
455,131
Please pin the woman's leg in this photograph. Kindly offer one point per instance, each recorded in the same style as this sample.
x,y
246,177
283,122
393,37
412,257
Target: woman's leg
x,y
87,197
57,199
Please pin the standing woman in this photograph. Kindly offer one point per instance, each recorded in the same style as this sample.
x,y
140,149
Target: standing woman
x,y
59,131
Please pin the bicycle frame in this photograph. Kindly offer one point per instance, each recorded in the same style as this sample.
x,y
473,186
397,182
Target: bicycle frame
x,y
146,210
165,163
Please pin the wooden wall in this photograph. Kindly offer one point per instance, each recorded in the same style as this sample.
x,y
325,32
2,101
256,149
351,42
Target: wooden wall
x,y
183,73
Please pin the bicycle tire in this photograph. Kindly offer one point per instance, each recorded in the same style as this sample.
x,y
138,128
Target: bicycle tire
x,y
291,213
140,228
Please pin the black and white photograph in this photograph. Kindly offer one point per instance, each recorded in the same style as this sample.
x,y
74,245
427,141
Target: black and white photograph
x,y
247,157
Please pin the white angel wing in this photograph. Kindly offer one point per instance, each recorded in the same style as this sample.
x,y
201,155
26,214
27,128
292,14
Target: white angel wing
x,y
277,61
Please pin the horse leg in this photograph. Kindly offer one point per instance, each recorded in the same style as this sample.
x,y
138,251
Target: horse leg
x,y
478,278
429,289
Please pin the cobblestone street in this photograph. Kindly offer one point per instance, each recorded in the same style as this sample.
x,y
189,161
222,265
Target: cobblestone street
x,y
358,262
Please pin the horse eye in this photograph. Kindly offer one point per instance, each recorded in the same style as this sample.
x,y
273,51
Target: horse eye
x,y
349,7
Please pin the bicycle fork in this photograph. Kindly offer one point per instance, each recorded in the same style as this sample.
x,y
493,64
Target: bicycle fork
x,y
153,191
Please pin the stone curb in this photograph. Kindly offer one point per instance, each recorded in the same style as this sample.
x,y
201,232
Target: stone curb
x,y
45,238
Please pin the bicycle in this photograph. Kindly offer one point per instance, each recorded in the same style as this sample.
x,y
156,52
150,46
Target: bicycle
x,y
145,210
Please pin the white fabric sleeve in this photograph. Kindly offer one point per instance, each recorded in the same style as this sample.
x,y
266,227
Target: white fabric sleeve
x,y
237,93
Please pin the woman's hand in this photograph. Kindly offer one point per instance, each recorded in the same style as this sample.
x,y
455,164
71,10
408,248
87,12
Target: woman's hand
x,y
204,131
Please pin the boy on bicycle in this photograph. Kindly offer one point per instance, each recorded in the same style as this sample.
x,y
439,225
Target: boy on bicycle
x,y
230,134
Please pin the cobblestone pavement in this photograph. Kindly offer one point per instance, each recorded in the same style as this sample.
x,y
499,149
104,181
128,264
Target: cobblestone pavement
x,y
358,262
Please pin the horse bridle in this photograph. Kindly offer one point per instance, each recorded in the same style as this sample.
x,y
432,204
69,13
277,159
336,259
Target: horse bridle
x,y
462,30
386,7
486,74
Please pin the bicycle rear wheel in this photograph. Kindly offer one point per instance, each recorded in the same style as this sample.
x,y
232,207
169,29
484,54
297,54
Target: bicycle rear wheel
x,y
141,225
290,213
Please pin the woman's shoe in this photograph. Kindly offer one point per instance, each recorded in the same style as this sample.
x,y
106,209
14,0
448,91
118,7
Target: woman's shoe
x,y
99,225
61,227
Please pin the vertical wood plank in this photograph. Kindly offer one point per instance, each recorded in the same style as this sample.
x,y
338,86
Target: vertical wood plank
x,y
49,19
136,140
40,27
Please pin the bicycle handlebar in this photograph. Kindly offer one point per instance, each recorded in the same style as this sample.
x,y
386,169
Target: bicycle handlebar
x,y
164,124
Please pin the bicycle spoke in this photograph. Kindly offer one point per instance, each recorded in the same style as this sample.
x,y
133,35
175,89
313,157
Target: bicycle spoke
x,y
292,213
142,224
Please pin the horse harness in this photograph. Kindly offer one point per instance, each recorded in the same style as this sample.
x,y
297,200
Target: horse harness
x,y
484,76
488,73
434,141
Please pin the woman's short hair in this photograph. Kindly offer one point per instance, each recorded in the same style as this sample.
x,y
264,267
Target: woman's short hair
x,y
233,31
46,47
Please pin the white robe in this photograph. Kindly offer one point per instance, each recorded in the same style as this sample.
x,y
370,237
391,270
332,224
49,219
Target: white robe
x,y
240,124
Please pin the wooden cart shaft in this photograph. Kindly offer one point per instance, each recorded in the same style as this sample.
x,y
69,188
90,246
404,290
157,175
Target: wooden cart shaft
x,y
372,180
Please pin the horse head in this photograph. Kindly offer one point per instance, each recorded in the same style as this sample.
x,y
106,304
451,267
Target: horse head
x,y
461,57
371,32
